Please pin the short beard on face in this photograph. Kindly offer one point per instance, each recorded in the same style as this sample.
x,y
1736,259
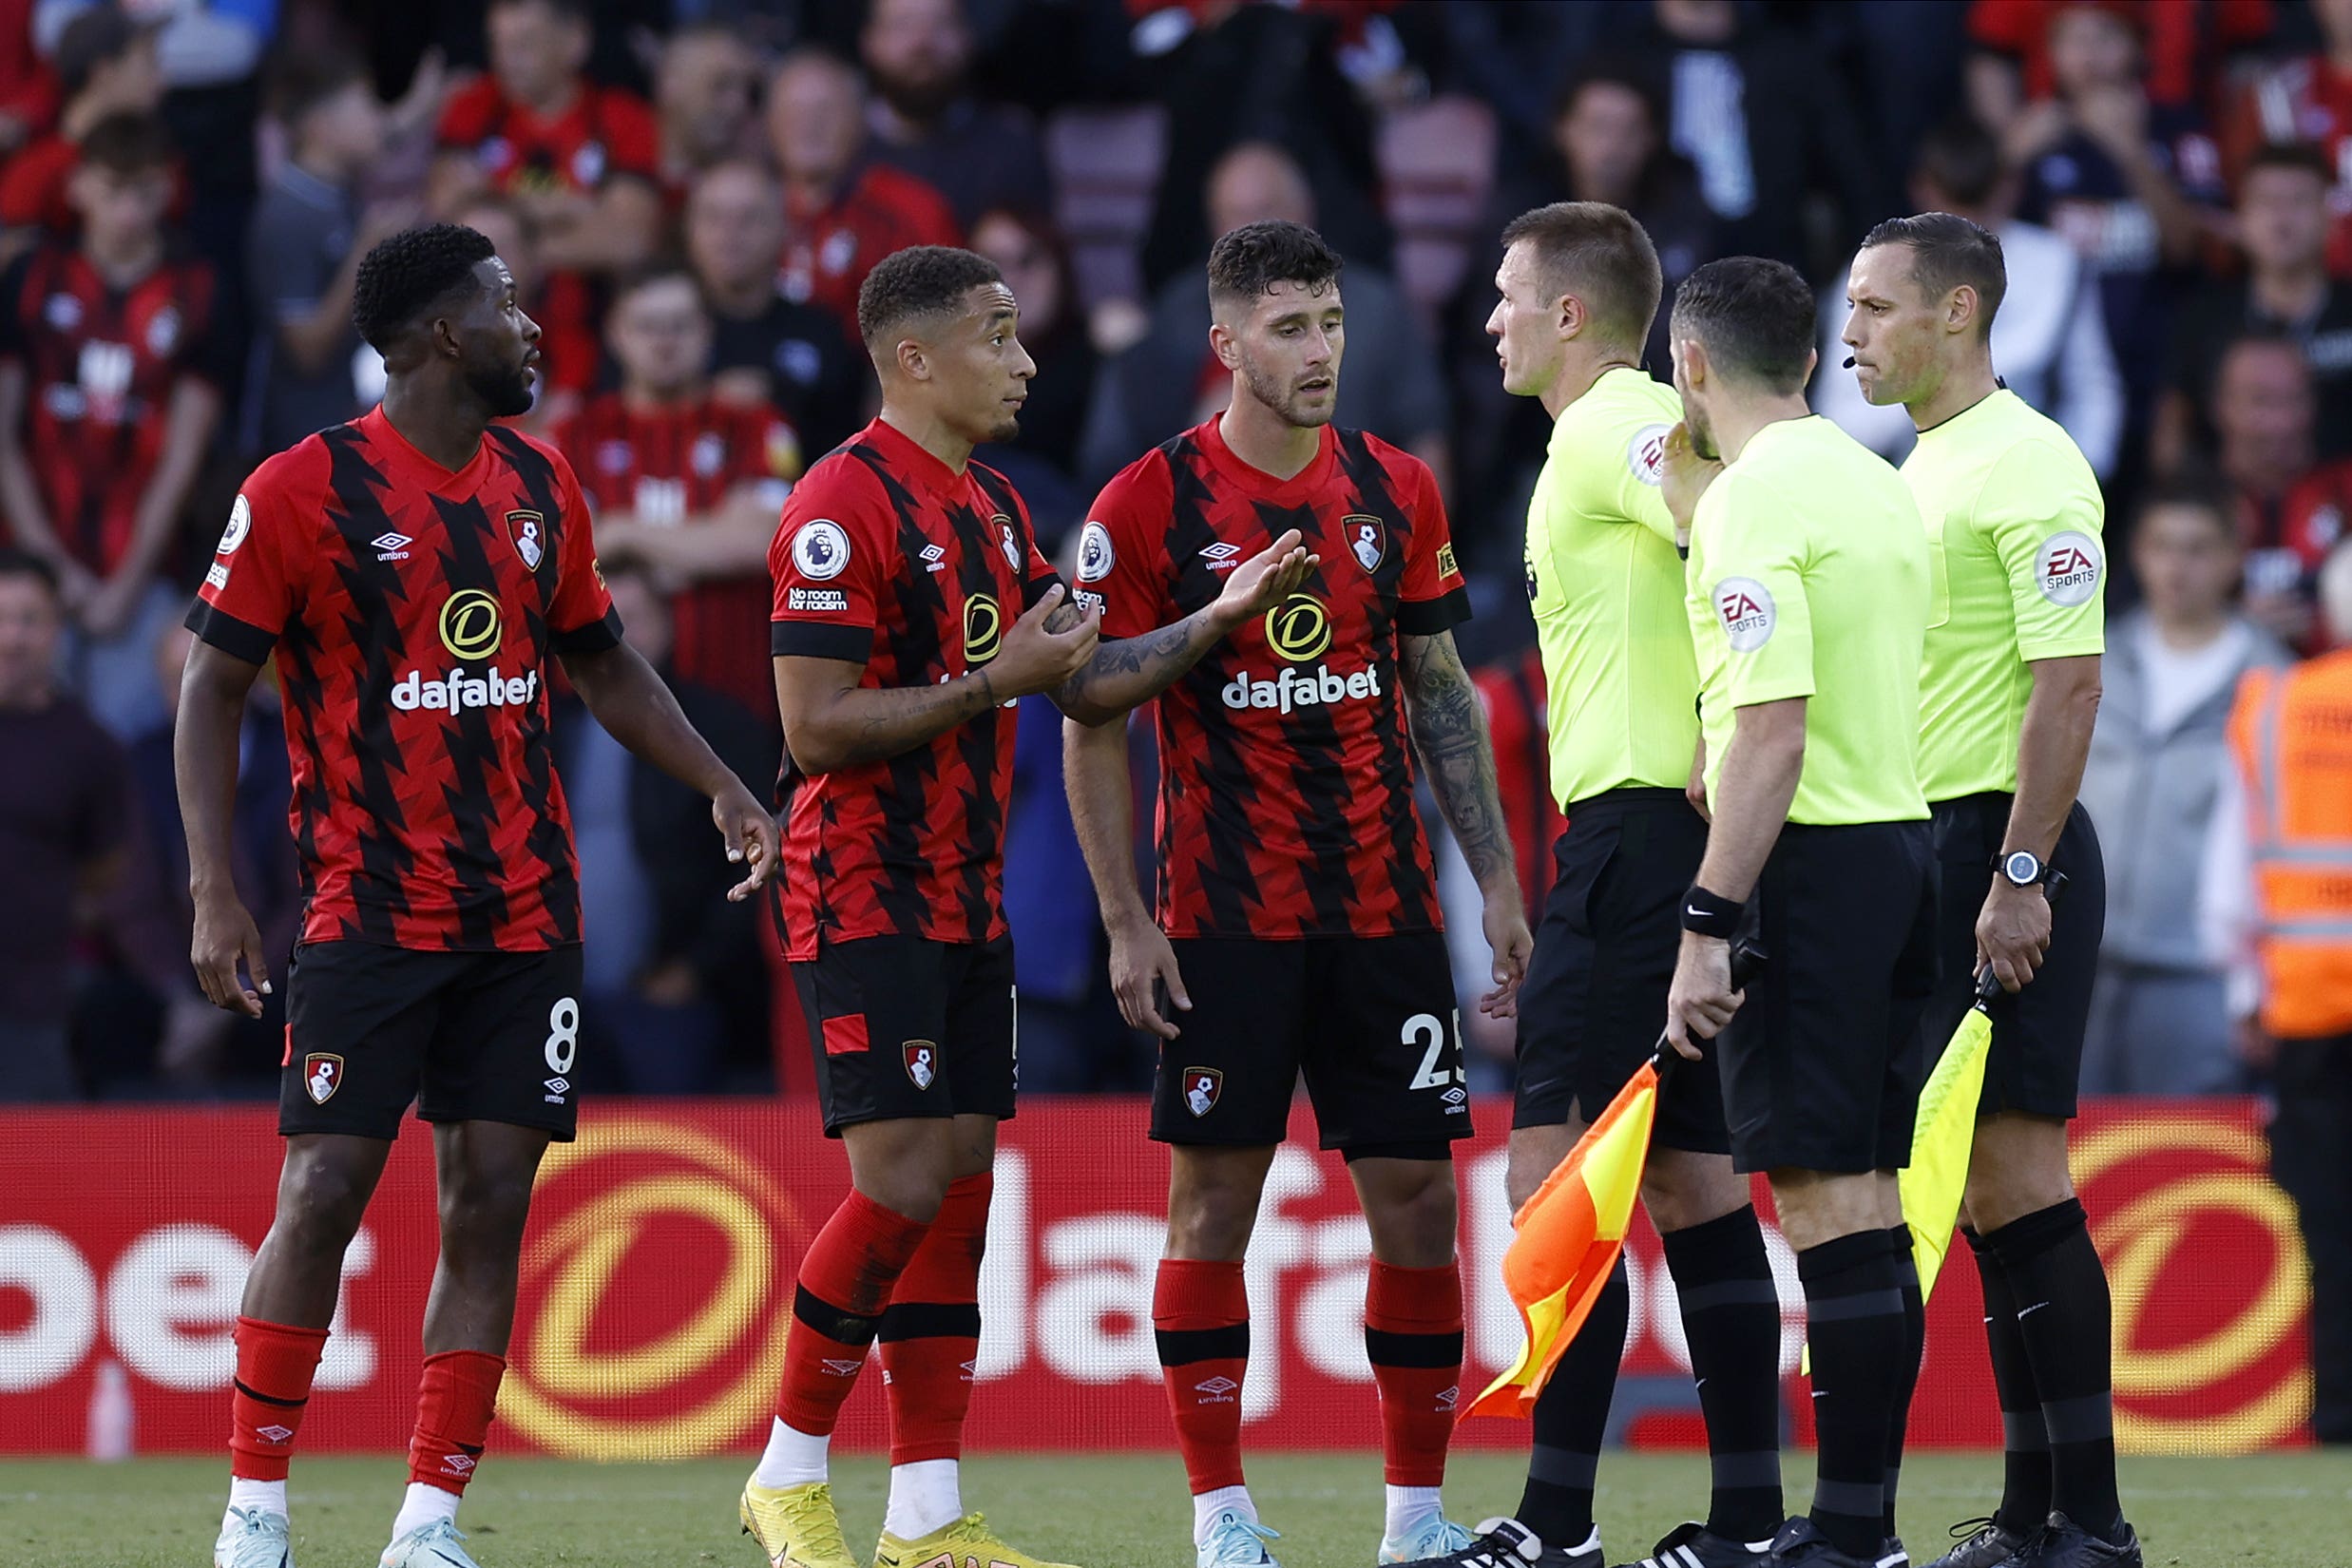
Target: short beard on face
x,y
1005,430
1283,399
502,390
1702,437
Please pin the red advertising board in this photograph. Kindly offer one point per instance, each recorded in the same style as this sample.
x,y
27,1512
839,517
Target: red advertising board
x,y
657,1281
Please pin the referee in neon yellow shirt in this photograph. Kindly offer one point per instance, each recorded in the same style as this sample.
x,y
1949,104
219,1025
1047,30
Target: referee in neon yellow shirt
x,y
1579,286
1808,593
2007,695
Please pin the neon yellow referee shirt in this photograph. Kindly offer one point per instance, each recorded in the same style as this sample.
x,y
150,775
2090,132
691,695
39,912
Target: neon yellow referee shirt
x,y
2014,519
1808,578
1605,582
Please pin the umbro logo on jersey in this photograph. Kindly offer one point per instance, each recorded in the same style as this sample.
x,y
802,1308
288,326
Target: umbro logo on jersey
x,y
392,546
1220,556
934,558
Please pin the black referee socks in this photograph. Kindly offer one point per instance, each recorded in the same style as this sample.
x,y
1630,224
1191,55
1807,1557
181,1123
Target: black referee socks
x,y
2025,1442
1571,1416
1853,1305
2063,1315
1730,1318
1907,1377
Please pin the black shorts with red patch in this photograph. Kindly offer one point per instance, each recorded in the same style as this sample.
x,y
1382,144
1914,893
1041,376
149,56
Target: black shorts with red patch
x,y
903,1027
468,1036
1368,1021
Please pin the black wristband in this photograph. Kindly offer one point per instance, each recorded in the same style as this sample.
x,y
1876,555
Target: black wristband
x,y
1709,914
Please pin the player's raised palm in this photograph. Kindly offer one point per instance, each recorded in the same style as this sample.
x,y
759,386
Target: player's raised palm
x,y
1265,580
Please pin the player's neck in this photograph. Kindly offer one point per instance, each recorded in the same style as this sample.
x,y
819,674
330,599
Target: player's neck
x,y
929,432
1959,391
1740,422
1265,440
442,423
1577,376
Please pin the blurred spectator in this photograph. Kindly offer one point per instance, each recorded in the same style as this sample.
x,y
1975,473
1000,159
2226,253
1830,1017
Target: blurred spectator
x,y
2281,231
107,64
927,121
65,809
673,968
1171,381
843,211
706,94
2278,908
2050,338
110,370
2185,41
309,234
1043,463
685,488
28,86
2307,99
2158,1023
2118,178
579,161
768,349
2290,509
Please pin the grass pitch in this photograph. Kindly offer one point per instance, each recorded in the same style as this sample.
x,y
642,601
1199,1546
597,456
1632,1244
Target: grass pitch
x,y
1102,1511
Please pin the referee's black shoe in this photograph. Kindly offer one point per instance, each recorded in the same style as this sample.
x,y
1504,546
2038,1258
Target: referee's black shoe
x,y
1801,1544
2062,1543
1693,1546
1989,1545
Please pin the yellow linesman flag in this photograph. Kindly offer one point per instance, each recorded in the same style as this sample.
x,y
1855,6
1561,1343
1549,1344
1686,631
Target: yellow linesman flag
x,y
1941,1140
1569,1234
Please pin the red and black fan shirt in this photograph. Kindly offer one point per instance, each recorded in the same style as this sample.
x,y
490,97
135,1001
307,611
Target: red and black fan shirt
x,y
890,559
829,251
606,134
412,611
99,367
1286,799
665,465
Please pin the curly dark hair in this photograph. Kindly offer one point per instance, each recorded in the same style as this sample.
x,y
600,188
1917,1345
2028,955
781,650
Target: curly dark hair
x,y
1755,317
918,281
407,274
1253,258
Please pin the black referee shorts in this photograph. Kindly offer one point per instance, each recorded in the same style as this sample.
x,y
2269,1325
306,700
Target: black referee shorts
x,y
1594,1002
2036,1062
1822,1066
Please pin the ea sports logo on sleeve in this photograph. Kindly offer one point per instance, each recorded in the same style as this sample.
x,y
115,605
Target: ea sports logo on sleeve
x,y
1646,453
821,549
470,625
1745,606
1299,628
2067,567
1095,555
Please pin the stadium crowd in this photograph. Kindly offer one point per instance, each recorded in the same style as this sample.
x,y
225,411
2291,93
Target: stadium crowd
x,y
691,193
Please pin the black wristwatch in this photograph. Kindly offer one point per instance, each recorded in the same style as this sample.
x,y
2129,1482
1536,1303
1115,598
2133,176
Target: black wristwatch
x,y
2023,869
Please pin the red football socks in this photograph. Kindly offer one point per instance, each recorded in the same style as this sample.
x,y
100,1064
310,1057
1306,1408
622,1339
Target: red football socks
x,y
929,1334
1412,1333
275,1364
453,1405
845,1283
1202,1315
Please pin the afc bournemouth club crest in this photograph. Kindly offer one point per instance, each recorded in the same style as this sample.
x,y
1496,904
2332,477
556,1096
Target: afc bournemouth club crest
x,y
922,1062
1367,538
1201,1087
529,532
322,1074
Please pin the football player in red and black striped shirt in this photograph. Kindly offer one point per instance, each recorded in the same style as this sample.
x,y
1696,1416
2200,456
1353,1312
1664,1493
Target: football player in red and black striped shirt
x,y
410,572
1298,927
685,486
911,610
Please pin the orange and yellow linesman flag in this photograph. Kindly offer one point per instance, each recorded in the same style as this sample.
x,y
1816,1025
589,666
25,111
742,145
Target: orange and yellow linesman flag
x,y
1569,1234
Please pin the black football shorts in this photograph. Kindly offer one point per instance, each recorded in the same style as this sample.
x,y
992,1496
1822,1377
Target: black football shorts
x,y
903,1027
469,1037
1368,1021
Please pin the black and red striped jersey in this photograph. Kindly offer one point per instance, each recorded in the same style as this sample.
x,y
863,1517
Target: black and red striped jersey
x,y
410,611
663,466
890,559
1286,799
99,366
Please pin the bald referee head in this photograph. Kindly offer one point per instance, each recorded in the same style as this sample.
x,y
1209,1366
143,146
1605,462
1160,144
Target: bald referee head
x,y
1920,300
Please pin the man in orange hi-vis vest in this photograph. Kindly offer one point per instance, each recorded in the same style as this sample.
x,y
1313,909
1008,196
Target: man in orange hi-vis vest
x,y
2278,903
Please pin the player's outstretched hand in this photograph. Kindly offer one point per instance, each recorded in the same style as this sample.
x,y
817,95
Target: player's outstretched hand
x,y
1701,999
225,933
1684,475
1513,944
1046,647
1265,580
1141,962
749,828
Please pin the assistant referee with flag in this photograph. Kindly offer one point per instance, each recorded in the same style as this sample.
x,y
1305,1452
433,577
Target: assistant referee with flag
x,y
1808,594
2007,695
